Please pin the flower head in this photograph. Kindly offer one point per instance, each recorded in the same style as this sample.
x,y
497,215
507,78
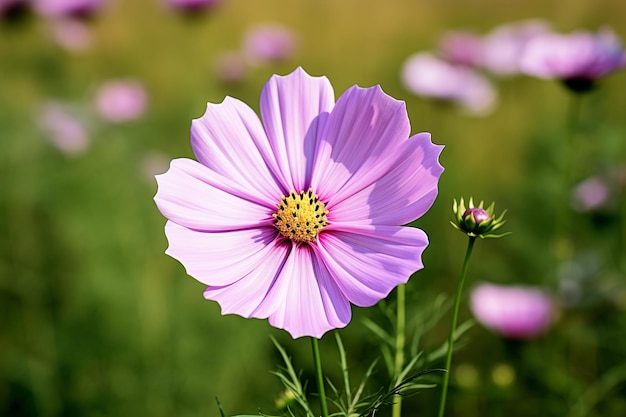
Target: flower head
x,y
591,194
67,8
12,10
269,43
426,75
461,48
298,215
64,130
516,312
193,6
71,34
230,67
476,221
577,59
119,101
503,46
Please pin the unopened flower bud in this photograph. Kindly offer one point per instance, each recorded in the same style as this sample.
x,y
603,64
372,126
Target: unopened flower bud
x,y
480,215
476,221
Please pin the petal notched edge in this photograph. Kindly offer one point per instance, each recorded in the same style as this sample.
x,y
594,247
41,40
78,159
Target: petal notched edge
x,y
293,110
364,128
367,262
229,139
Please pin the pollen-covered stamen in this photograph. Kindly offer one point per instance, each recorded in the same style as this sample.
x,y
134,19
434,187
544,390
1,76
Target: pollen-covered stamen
x,y
300,217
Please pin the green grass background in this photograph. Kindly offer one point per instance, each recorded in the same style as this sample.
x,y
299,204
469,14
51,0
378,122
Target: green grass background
x,y
97,321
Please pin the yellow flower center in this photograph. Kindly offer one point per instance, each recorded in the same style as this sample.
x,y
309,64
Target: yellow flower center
x,y
300,217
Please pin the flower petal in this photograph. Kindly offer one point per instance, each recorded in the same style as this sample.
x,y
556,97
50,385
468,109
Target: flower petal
x,y
402,194
305,300
362,131
293,108
188,194
219,258
243,297
230,139
367,262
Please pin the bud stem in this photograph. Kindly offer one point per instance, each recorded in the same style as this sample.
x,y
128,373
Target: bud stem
x,y
455,314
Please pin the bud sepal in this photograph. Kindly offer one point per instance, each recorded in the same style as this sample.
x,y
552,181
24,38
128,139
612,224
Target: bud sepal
x,y
477,221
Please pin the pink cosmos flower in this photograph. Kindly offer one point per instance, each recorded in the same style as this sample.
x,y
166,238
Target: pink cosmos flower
x,y
516,312
67,8
269,43
192,5
10,9
502,48
461,48
296,216
426,75
230,67
65,131
71,34
121,101
578,58
591,194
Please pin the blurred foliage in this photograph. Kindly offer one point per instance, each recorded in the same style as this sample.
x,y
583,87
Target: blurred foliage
x,y
97,321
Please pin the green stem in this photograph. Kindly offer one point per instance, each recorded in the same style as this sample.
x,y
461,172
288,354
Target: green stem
x,y
455,315
573,117
621,198
561,246
319,376
396,410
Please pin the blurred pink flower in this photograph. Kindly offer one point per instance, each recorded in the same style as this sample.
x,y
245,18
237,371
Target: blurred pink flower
x,y
576,58
461,48
230,67
71,34
590,194
296,216
502,47
67,8
269,43
64,130
516,312
192,5
121,101
10,8
427,76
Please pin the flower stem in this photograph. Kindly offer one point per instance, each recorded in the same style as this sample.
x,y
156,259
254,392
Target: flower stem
x,y
396,410
455,314
319,376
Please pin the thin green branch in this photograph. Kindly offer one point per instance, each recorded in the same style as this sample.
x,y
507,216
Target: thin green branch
x,y
455,315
